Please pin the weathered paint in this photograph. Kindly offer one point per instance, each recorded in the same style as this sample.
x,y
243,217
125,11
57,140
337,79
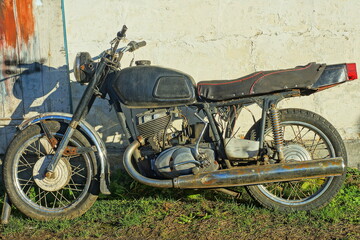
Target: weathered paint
x,y
33,70
18,22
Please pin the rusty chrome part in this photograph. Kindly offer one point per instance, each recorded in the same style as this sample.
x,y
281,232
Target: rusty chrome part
x,y
252,175
6,210
236,195
141,140
49,175
71,151
135,174
277,132
206,123
59,152
51,139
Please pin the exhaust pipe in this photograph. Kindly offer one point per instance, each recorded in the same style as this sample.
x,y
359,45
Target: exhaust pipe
x,y
129,167
241,176
253,175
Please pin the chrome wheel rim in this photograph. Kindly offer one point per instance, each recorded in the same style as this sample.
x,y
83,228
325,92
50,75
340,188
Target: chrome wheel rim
x,y
302,140
65,191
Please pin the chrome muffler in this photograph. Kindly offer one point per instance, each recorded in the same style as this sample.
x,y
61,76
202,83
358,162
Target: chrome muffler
x,y
253,175
240,176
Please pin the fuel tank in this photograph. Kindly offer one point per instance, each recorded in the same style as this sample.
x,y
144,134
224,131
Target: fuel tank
x,y
152,87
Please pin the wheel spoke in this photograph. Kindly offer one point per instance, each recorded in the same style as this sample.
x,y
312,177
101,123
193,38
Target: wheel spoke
x,y
24,162
63,197
31,182
75,185
317,147
56,199
43,196
35,150
295,190
77,170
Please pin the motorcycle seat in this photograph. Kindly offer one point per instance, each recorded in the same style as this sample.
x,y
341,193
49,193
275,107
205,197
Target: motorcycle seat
x,y
262,82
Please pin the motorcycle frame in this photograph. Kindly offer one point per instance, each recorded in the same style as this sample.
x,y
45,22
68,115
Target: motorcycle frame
x,y
94,89
210,108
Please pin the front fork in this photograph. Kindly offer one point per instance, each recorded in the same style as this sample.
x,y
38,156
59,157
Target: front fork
x,y
80,113
269,107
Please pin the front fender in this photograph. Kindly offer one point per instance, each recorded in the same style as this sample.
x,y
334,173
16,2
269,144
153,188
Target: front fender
x,y
85,128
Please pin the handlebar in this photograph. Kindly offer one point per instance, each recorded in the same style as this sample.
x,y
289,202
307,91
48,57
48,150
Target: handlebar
x,y
132,46
122,34
136,45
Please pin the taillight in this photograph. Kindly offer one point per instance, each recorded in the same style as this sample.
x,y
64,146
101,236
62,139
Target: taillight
x,y
351,70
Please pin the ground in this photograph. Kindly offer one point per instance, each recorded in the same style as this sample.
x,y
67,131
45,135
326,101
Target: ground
x,y
134,211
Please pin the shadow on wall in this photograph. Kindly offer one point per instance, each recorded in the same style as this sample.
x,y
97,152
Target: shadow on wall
x,y
102,117
29,89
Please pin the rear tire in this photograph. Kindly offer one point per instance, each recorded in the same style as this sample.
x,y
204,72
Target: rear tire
x,y
306,134
68,195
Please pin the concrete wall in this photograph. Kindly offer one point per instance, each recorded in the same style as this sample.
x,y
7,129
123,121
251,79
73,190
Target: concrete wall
x,y
225,39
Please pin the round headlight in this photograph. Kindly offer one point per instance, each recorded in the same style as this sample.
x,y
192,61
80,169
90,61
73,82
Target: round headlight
x,y
81,67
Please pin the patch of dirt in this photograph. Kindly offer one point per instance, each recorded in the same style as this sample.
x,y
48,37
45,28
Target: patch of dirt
x,y
213,228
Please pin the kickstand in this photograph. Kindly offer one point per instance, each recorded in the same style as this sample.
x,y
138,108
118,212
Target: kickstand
x,y
6,210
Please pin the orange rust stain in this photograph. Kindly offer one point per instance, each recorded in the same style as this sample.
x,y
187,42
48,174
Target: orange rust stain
x,y
7,23
10,19
326,87
26,19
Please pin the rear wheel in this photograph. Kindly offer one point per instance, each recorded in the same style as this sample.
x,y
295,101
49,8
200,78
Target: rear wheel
x,y
307,136
72,190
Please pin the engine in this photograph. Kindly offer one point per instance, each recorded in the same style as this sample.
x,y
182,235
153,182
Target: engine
x,y
163,129
178,161
172,139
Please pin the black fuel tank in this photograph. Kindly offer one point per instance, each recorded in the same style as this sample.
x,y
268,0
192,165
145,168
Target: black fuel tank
x,y
152,87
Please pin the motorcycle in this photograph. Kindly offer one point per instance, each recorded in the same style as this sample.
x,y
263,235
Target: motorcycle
x,y
182,135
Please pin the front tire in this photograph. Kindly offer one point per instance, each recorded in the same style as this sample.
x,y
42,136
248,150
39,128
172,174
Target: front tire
x,y
69,194
306,135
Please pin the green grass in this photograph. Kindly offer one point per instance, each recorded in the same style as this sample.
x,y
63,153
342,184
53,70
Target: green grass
x,y
135,211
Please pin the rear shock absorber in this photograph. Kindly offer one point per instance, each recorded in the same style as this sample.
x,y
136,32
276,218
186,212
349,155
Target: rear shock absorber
x,y
277,131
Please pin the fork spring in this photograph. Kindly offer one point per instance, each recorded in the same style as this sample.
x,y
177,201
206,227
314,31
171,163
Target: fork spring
x,y
276,128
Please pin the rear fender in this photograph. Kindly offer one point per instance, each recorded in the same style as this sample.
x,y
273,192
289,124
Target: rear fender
x,y
88,131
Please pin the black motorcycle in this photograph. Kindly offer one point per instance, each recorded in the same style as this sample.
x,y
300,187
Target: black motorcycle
x,y
182,135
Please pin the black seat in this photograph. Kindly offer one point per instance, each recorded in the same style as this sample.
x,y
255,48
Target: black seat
x,y
263,82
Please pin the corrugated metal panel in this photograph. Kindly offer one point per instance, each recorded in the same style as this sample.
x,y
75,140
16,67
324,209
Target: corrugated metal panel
x,y
33,72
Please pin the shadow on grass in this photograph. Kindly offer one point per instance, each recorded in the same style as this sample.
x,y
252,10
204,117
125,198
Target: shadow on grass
x,y
124,187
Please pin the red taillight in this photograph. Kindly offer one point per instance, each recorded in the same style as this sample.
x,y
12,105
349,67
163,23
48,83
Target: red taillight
x,y
351,69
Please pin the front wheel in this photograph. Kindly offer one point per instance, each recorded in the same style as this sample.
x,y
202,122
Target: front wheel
x,y
307,136
72,190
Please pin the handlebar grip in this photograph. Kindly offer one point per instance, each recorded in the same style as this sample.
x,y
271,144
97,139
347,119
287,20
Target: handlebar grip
x,y
141,44
121,34
136,45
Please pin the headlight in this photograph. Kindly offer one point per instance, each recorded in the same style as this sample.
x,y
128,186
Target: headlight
x,y
83,67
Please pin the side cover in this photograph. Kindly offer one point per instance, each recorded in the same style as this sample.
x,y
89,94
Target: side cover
x,y
152,87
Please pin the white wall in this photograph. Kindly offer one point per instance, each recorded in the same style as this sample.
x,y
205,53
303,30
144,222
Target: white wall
x,y
224,39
